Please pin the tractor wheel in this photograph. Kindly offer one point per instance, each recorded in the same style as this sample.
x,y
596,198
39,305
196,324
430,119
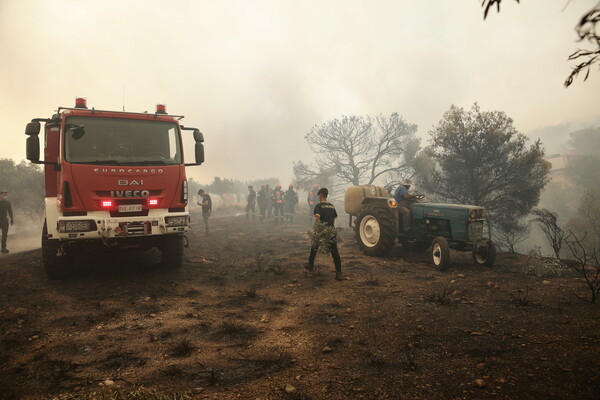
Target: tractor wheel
x,y
56,267
172,251
440,253
375,230
485,254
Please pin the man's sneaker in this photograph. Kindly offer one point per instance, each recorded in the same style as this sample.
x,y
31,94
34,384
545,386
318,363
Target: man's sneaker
x,y
309,267
4,250
339,276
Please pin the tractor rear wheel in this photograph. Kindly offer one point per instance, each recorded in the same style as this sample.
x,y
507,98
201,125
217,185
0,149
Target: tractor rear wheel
x,y
485,254
375,230
440,253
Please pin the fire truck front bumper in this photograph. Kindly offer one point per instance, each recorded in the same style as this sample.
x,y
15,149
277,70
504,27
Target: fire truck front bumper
x,y
97,225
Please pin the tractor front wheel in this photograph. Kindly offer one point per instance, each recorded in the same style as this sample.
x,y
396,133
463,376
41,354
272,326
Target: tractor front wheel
x,y
440,253
485,254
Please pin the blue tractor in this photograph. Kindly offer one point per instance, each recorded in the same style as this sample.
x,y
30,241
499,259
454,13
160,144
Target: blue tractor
x,y
434,226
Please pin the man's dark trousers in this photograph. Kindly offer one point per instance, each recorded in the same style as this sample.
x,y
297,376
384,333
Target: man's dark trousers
x,y
334,253
4,228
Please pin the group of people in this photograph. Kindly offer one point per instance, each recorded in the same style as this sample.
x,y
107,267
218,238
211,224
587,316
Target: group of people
x,y
277,203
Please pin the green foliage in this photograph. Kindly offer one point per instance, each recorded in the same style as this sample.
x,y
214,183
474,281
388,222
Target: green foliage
x,y
584,170
322,236
478,157
25,185
585,141
586,224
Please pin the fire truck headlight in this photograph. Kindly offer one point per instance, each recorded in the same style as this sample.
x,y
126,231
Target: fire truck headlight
x,y
181,220
76,226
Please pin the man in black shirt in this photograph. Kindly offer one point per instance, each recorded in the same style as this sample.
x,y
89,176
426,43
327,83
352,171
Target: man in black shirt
x,y
251,203
325,212
5,212
206,203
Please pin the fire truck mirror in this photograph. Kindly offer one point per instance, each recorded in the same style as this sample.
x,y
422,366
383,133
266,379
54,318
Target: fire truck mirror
x,y
33,148
198,136
32,128
199,153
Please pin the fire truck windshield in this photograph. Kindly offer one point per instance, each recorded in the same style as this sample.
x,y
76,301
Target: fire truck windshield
x,y
120,141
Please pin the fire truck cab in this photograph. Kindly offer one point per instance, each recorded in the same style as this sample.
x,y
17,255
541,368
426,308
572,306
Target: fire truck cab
x,y
113,180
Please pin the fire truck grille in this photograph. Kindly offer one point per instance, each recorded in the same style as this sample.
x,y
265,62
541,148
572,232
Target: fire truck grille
x,y
134,229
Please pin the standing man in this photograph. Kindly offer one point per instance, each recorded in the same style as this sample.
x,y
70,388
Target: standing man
x,y
404,200
5,212
206,203
312,200
290,199
251,203
262,202
325,213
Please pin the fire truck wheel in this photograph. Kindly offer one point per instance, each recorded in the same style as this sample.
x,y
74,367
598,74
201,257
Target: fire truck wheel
x,y
172,251
440,253
56,267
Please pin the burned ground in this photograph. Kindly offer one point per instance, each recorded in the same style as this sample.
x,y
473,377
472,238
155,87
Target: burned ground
x,y
243,319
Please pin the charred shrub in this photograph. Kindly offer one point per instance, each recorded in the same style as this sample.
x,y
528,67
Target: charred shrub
x,y
440,295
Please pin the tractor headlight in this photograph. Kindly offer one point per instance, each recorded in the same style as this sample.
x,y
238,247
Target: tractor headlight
x,y
473,215
76,226
392,203
181,220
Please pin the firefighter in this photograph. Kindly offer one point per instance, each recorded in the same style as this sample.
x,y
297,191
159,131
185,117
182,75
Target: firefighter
x,y
251,203
5,212
312,200
268,200
290,199
262,202
278,204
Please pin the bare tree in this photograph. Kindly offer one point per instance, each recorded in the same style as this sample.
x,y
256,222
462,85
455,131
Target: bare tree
x,y
548,222
510,232
587,263
586,31
360,150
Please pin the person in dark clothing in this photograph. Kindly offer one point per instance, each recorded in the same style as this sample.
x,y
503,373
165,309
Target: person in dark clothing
x,y
262,202
290,199
268,200
5,213
312,200
251,203
206,203
325,213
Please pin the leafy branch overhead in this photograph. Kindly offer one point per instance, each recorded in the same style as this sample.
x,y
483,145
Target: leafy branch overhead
x,y
586,30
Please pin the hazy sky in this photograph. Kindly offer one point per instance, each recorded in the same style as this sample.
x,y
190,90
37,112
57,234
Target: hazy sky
x,y
255,76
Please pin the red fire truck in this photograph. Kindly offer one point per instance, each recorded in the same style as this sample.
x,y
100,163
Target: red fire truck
x,y
113,180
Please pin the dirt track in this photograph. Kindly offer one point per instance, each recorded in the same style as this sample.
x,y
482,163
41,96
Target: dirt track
x,y
242,319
